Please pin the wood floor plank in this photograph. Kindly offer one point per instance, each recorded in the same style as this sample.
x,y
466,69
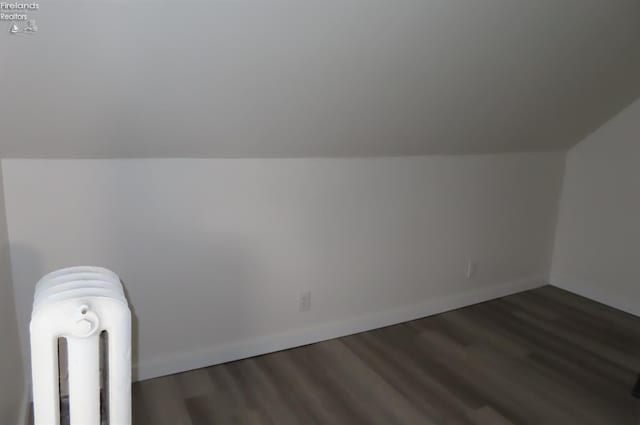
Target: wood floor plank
x,y
487,416
163,402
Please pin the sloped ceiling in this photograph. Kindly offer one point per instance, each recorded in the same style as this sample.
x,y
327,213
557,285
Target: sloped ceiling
x,y
266,78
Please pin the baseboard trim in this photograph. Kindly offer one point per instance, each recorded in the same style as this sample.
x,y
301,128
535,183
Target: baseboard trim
x,y
23,413
243,349
598,293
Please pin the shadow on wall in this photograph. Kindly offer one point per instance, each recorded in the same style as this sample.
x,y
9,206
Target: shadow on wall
x,y
194,281
191,284
31,264
134,332
190,291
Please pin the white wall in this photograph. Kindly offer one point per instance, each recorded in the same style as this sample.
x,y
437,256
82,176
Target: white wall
x,y
12,379
215,252
598,239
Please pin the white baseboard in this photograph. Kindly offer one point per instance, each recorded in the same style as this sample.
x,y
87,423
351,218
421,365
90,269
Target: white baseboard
x,y
599,293
270,343
23,413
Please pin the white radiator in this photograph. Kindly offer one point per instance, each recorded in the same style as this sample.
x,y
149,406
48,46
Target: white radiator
x,y
78,304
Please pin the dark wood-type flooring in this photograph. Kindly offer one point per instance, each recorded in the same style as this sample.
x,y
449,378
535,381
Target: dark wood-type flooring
x,y
540,357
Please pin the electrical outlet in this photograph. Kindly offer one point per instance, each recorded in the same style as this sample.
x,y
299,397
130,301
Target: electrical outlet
x,y
305,301
471,269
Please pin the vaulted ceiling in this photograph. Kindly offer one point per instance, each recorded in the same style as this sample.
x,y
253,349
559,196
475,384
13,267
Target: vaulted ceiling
x,y
270,78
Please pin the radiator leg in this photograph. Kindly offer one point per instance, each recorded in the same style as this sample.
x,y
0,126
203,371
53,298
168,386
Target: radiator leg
x,y
119,333
44,370
84,380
